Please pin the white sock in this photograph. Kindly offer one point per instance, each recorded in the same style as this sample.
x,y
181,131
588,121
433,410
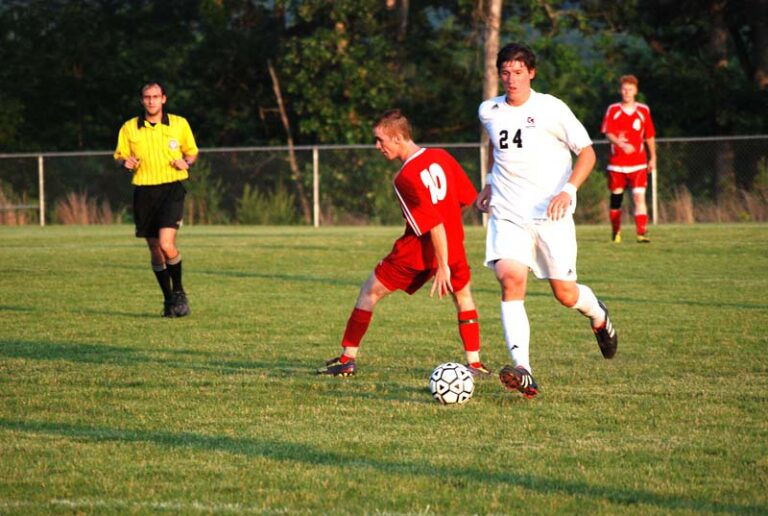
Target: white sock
x,y
517,332
588,306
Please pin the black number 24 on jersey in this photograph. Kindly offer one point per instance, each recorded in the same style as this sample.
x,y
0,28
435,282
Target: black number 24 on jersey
x,y
517,139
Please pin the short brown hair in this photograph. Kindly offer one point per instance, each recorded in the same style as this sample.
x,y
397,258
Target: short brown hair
x,y
516,52
628,79
394,121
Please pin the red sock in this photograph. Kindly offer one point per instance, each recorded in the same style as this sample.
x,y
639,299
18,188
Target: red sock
x,y
469,330
641,223
357,325
616,220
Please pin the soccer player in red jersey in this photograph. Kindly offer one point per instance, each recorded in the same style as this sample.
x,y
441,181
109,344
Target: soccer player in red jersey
x,y
627,124
432,189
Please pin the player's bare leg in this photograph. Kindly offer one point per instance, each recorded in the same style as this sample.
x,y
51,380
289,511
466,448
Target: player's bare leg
x,y
581,298
641,215
166,262
161,273
513,279
615,213
469,330
370,294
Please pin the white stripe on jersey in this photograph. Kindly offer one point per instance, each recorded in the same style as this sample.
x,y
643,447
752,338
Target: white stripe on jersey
x,y
408,217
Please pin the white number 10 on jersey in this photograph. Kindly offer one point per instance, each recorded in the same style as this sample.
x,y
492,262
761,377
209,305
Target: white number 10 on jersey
x,y
434,179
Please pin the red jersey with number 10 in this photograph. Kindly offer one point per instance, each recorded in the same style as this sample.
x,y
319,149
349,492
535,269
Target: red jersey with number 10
x,y
633,127
432,188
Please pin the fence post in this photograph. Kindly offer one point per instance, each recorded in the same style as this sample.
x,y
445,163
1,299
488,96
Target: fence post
x,y
315,186
483,171
41,188
654,196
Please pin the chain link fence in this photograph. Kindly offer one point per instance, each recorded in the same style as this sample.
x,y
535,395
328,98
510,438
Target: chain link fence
x,y
698,179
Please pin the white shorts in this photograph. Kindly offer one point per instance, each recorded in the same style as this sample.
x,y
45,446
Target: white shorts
x,y
548,248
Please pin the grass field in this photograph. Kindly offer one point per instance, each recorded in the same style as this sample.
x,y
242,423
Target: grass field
x,y
105,407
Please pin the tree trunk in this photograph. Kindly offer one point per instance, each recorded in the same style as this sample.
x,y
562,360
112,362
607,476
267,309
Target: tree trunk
x,y
491,48
725,174
760,28
295,172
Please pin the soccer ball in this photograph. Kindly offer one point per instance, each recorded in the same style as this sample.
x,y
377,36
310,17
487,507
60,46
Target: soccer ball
x,y
451,383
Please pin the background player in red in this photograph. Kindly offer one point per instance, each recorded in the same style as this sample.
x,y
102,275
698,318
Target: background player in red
x,y
627,124
432,189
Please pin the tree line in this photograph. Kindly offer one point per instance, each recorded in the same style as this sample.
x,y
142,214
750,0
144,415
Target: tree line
x,y
271,72
71,69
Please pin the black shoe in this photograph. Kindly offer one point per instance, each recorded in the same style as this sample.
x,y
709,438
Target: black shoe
x,y
480,371
519,379
180,304
334,367
606,335
168,308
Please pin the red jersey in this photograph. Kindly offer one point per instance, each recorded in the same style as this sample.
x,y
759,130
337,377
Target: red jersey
x,y
432,188
635,128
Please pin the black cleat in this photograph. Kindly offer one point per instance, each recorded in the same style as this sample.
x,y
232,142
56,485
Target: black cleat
x,y
480,371
180,304
334,367
606,335
519,379
168,308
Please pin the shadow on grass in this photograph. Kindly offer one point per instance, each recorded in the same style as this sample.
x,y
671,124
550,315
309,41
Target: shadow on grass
x,y
124,356
296,278
8,308
305,454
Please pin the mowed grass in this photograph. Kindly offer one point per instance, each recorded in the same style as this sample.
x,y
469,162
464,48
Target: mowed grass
x,y
105,407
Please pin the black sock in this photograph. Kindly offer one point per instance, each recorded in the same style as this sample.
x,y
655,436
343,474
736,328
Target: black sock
x,y
174,271
164,280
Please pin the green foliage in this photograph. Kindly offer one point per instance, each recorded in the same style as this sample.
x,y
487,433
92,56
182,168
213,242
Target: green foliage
x,y
204,195
592,199
277,209
343,72
107,408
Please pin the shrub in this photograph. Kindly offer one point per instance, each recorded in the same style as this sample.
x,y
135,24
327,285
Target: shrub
x,y
78,209
253,207
203,202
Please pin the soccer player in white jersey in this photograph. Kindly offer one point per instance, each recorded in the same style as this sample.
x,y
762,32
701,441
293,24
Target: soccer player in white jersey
x,y
531,196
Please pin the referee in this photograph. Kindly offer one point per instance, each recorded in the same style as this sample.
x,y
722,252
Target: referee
x,y
158,149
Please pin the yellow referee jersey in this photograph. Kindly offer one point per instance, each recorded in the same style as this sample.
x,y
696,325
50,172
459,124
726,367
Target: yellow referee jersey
x,y
156,147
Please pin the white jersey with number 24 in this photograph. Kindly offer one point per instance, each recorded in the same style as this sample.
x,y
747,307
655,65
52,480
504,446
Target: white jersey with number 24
x,y
532,146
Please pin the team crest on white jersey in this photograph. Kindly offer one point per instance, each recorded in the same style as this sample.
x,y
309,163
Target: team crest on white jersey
x,y
530,122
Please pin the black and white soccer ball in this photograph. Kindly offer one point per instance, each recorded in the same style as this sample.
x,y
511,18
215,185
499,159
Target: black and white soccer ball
x,y
451,383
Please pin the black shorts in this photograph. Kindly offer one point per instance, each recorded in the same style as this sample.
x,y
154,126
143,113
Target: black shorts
x,y
158,206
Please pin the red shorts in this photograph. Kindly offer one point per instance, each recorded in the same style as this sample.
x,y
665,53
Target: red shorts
x,y
397,277
620,180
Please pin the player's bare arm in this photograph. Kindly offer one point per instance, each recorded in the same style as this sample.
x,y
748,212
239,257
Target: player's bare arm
x,y
651,143
184,163
131,163
483,200
621,143
560,203
442,282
